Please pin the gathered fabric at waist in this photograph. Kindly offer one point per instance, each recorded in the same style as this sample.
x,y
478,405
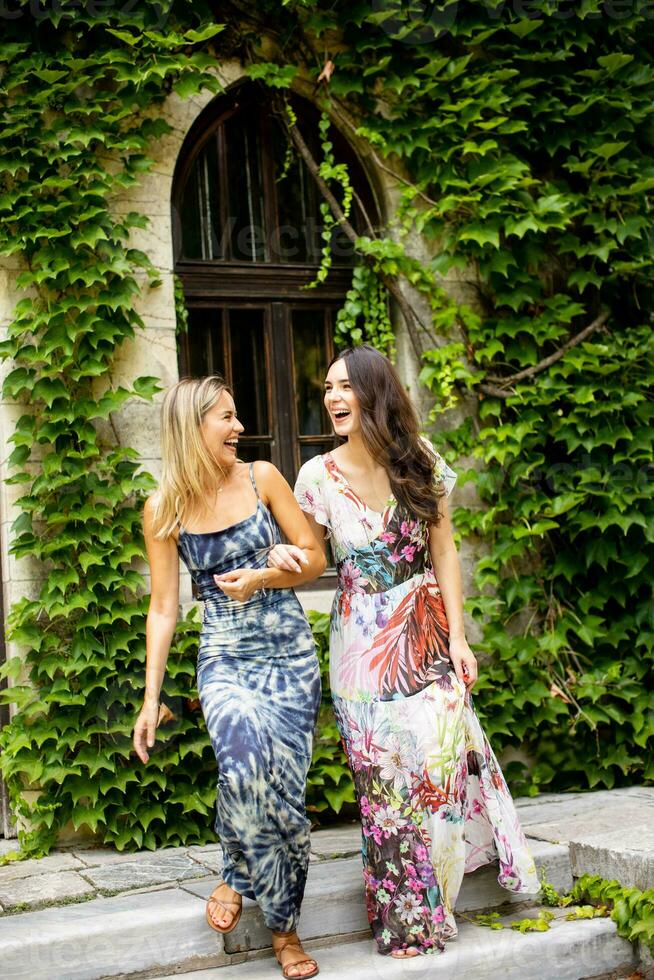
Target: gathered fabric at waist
x,y
270,625
208,591
358,575
352,584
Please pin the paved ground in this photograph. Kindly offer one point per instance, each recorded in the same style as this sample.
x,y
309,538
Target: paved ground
x,y
609,832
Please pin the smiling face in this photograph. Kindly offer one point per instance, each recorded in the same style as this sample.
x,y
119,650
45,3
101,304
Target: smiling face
x,y
220,430
341,402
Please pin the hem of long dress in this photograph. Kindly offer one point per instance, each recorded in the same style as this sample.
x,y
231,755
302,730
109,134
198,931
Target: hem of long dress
x,y
520,890
285,925
436,944
238,887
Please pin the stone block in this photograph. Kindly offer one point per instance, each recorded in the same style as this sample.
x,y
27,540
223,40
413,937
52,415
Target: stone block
x,y
558,807
333,905
95,857
43,889
603,819
338,842
210,857
108,937
626,855
140,874
481,889
6,846
152,352
55,861
13,592
645,961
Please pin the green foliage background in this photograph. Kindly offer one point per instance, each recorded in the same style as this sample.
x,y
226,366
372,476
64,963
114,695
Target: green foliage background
x,y
523,147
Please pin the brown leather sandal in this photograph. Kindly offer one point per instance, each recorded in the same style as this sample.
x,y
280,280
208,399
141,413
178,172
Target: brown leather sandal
x,y
289,942
223,904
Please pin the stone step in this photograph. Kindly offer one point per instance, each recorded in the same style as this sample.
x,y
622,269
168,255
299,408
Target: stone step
x,y
568,951
109,937
334,904
165,930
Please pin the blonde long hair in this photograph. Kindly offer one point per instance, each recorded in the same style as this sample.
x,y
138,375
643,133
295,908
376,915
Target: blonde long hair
x,y
188,467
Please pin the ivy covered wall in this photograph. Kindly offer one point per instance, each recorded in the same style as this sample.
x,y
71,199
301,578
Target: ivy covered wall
x,y
519,146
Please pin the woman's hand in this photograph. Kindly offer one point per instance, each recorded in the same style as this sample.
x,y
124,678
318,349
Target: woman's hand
x,y
146,727
464,662
287,558
241,583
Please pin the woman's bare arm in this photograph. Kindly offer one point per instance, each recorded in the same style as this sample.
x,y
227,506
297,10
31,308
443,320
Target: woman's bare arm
x,y
447,569
278,497
159,630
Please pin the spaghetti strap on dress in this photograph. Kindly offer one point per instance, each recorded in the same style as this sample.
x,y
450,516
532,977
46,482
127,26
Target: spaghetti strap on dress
x,y
259,686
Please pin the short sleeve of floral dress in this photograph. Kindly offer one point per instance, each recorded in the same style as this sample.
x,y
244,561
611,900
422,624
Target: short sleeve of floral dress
x,y
310,490
432,797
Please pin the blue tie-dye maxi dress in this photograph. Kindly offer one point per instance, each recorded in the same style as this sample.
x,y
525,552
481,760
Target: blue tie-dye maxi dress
x,y
259,685
432,798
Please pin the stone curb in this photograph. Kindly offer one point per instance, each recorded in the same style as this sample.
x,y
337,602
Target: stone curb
x,y
101,938
569,951
79,874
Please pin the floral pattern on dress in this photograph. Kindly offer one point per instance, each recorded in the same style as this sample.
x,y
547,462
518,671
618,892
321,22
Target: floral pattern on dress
x,y
431,794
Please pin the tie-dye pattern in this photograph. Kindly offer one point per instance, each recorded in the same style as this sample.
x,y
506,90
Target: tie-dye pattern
x,y
259,686
432,797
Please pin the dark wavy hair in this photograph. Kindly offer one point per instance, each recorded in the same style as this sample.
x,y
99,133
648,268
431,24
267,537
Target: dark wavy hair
x,y
389,428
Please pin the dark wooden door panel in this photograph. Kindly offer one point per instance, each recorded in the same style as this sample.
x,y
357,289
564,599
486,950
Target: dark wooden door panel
x,y
274,356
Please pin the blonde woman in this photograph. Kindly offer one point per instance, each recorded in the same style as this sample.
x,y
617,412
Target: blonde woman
x,y
257,673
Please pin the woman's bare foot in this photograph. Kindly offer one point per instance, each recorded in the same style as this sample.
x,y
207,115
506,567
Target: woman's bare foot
x,y
404,954
291,957
224,908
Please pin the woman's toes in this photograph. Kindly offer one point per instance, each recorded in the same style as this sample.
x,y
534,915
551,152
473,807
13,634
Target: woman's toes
x,y
302,969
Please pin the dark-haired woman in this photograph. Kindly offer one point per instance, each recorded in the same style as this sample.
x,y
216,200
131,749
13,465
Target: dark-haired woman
x,y
433,801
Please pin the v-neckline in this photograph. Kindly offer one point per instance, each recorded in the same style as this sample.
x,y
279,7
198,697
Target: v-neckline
x,y
391,503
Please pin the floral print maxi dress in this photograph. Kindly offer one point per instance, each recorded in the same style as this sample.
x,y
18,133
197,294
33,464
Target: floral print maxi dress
x,y
432,798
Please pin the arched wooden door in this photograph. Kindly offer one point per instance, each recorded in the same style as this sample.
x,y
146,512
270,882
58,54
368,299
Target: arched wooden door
x,y
247,234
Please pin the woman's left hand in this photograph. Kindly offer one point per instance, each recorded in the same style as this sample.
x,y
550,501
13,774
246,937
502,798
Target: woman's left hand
x,y
464,662
240,584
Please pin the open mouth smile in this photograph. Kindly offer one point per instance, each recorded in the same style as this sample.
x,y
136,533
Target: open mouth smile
x,y
341,415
